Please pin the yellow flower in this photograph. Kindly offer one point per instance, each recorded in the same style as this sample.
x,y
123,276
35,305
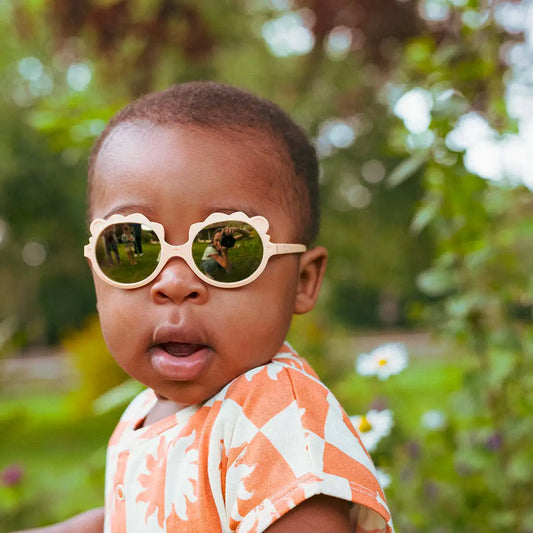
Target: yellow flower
x,y
383,361
373,426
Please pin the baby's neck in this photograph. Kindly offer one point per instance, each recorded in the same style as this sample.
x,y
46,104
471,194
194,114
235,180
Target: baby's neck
x,y
162,409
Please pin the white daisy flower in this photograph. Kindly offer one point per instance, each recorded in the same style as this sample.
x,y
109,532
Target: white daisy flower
x,y
433,419
373,426
383,361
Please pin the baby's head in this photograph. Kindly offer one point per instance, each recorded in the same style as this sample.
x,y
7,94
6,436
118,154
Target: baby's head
x,y
245,119
175,158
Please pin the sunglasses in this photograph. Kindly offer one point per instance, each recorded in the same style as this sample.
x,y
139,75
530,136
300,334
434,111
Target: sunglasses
x,y
223,250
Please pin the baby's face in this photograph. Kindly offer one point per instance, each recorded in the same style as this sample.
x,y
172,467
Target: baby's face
x,y
178,335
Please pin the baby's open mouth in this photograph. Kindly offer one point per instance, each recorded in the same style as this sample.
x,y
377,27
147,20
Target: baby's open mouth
x,y
180,361
180,349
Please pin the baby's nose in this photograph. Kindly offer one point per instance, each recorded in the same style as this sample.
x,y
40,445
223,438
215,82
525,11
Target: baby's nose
x,y
178,283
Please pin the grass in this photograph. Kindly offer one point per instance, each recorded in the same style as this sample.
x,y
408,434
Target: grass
x,y
62,459
428,383
125,272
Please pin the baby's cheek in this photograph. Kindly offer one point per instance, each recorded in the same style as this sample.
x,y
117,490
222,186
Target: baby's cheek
x,y
115,322
108,332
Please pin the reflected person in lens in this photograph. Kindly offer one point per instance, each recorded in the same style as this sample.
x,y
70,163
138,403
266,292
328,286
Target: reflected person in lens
x,y
215,257
111,245
128,240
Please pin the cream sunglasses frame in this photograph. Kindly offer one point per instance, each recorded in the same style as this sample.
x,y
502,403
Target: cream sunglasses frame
x,y
168,251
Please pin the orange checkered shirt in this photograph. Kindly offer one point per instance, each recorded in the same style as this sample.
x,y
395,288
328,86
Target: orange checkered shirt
x,y
269,440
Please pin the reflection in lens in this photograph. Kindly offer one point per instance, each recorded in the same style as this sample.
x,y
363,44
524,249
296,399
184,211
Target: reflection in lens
x,y
238,241
127,252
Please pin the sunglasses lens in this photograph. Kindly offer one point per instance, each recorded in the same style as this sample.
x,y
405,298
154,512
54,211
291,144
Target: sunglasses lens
x,y
228,253
127,253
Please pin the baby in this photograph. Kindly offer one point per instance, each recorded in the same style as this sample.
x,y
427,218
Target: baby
x,y
235,432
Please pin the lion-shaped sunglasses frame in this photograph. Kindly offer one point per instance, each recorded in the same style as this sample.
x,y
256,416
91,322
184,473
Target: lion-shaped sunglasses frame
x,y
259,223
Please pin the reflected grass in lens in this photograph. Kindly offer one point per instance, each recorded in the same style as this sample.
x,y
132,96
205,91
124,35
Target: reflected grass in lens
x,y
125,272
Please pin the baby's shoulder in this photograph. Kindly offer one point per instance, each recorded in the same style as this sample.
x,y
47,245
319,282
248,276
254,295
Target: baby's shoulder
x,y
281,375
285,388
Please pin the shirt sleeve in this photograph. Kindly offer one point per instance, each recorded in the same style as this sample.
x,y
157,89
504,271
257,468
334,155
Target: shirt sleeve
x,y
291,440
208,252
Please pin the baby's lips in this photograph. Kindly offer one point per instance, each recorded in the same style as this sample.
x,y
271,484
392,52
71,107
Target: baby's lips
x,y
181,349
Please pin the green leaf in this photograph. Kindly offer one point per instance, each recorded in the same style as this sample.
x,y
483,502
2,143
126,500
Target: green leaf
x,y
117,396
44,120
435,282
406,169
425,215
502,365
520,467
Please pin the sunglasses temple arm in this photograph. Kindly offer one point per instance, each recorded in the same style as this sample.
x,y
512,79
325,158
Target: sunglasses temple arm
x,y
288,248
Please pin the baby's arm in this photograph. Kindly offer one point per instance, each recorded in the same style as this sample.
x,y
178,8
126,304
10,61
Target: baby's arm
x,y
88,522
319,514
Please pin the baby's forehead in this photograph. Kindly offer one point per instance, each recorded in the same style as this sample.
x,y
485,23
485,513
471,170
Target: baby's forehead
x,y
267,166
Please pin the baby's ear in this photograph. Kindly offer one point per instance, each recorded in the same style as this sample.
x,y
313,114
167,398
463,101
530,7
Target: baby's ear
x,y
310,275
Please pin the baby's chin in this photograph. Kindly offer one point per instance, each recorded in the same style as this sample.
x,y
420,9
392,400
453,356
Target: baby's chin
x,y
193,395
196,385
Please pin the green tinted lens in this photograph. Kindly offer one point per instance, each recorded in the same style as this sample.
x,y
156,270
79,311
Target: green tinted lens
x,y
228,252
127,253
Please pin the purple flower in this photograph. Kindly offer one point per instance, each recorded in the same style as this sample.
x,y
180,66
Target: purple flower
x,y
494,442
379,404
413,449
11,475
431,489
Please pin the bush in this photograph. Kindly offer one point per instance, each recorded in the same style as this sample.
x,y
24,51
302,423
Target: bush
x,y
98,370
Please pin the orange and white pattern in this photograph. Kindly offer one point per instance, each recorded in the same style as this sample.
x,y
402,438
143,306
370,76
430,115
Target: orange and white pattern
x,y
269,440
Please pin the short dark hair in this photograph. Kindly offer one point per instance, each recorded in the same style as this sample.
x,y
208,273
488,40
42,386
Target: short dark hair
x,y
225,108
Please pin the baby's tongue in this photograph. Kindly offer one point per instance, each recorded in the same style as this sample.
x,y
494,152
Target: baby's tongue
x,y
178,349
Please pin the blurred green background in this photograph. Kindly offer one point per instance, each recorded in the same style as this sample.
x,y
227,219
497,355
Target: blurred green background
x,y
422,114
